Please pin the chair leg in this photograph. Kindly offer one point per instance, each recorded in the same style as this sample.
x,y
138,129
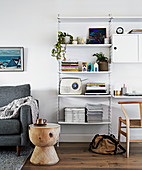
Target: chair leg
x,y
119,129
18,150
127,142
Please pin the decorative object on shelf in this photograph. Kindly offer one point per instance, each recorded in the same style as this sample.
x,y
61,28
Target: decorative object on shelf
x,y
117,92
84,66
96,67
135,31
102,61
81,40
59,49
119,30
97,34
71,86
11,59
123,90
106,41
74,42
90,67
69,66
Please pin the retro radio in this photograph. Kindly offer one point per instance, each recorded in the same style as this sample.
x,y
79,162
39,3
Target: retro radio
x,y
70,86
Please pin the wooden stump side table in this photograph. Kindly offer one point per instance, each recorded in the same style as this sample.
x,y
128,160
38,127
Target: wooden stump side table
x,y
44,138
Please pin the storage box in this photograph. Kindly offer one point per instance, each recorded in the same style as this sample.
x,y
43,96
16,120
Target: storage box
x,y
74,114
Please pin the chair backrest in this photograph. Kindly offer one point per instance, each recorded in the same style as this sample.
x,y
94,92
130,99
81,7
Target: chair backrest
x,y
10,93
134,102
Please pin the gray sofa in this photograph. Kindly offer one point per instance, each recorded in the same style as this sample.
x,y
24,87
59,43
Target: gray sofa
x,y
14,132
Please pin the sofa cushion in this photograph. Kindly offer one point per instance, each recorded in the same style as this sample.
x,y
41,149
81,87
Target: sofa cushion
x,y
10,93
9,126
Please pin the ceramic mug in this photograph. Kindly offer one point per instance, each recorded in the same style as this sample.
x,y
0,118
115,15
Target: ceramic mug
x,y
41,121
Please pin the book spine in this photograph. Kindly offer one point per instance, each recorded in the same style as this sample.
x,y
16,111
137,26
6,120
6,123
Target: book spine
x,y
69,70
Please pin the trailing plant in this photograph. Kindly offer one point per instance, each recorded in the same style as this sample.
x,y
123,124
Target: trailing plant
x,y
100,57
59,49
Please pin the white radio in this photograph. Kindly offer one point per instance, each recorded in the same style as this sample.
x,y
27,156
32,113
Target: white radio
x,y
70,86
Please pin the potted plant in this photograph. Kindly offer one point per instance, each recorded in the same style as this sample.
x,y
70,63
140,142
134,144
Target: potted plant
x,y
102,61
59,49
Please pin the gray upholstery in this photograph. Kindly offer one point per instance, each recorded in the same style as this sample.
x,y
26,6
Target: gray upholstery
x,y
14,132
10,93
9,127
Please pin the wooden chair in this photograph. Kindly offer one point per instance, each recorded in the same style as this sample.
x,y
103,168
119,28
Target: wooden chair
x,y
129,124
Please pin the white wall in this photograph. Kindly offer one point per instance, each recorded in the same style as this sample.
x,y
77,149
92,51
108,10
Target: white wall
x,y
33,25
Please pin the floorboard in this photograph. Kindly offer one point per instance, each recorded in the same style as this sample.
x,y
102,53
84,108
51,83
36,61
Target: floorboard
x,y
76,156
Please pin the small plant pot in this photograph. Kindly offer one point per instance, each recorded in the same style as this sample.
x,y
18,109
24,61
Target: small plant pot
x,y
103,66
67,40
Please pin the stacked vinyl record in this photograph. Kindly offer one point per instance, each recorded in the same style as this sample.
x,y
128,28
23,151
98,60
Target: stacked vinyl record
x,y
94,112
69,66
96,88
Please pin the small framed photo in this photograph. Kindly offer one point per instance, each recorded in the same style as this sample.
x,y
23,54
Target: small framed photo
x,y
97,35
11,59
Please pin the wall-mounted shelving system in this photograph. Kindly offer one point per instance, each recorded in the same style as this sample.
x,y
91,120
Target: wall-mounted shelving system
x,y
109,21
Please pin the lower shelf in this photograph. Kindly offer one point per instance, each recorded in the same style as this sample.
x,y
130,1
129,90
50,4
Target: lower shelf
x,y
97,122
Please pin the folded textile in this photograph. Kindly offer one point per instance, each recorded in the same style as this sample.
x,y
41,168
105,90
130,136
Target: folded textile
x,y
11,110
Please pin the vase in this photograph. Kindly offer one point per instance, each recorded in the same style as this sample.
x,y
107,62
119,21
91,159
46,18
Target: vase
x,y
67,40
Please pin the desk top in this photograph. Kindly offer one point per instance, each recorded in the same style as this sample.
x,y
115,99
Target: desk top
x,y
47,125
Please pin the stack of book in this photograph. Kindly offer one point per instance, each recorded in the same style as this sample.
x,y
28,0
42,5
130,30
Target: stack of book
x,y
96,88
94,112
69,66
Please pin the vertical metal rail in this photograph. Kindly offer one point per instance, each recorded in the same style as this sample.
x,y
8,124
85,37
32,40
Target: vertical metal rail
x,y
110,77
58,83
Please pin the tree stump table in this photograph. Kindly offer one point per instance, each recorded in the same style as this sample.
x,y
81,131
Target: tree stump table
x,y
44,138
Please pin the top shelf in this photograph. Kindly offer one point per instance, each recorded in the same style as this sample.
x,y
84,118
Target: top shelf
x,y
84,19
101,19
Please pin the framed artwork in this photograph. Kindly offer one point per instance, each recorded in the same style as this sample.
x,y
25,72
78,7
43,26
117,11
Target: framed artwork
x,y
97,35
11,59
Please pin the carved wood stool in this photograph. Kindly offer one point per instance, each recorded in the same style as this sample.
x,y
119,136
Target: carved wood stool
x,y
44,138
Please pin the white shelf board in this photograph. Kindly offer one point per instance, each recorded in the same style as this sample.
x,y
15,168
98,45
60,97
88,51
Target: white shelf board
x,y
127,19
101,19
80,72
127,97
85,96
89,45
133,62
97,122
84,19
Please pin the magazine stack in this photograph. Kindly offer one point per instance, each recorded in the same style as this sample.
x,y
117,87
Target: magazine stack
x,y
94,112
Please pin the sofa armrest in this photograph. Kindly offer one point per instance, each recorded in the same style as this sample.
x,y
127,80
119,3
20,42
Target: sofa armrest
x,y
25,120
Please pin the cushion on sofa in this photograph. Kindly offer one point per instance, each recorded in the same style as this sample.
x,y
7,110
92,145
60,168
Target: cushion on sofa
x,y
10,93
9,126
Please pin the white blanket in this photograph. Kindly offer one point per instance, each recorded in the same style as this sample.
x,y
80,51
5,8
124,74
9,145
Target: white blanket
x,y
11,110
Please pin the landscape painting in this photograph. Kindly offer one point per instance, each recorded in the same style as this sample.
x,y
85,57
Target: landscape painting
x,y
11,58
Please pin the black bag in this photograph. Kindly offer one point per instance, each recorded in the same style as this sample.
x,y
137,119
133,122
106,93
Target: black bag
x,y
106,144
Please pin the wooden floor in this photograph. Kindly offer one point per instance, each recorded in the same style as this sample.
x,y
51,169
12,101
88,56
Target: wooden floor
x,y
76,156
